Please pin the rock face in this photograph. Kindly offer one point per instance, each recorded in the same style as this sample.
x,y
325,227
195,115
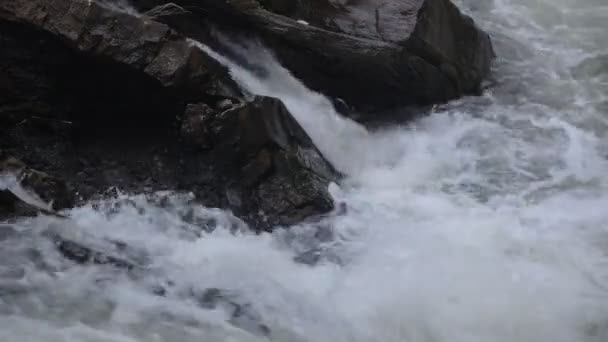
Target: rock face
x,y
26,191
373,54
99,29
278,176
100,96
377,54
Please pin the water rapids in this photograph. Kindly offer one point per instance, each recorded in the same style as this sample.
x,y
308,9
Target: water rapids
x,y
486,221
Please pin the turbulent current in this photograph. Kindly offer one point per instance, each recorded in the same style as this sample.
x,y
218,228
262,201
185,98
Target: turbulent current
x,y
486,221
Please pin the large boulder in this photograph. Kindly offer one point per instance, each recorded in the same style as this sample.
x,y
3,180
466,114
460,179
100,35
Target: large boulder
x,y
377,54
373,54
276,175
103,96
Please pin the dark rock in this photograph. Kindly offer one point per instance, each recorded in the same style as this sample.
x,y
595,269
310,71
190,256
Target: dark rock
x,y
37,191
101,96
378,54
81,248
143,44
280,177
374,54
50,189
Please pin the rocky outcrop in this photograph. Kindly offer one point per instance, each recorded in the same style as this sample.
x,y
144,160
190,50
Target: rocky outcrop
x,y
100,29
373,54
26,191
381,53
100,96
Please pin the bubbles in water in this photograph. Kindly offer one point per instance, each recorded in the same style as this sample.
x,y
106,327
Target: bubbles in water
x,y
484,221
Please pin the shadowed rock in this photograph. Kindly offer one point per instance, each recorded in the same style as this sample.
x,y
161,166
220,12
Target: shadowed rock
x,y
101,95
26,191
102,30
374,54
148,73
241,314
279,176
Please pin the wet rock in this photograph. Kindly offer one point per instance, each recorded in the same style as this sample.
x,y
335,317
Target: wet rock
x,y
50,189
124,92
84,255
242,314
78,246
374,54
404,52
596,66
195,124
279,176
102,30
24,190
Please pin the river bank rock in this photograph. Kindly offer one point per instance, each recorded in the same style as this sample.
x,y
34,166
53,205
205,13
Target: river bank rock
x,y
104,97
102,94
375,55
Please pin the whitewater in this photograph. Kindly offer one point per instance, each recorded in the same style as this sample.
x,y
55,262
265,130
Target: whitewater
x,y
485,221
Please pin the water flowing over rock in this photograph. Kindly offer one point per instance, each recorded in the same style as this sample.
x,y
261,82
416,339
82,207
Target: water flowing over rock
x,y
26,191
83,76
282,177
99,29
103,96
373,54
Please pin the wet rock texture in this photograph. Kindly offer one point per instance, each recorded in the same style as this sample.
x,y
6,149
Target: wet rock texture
x,y
377,54
373,54
97,94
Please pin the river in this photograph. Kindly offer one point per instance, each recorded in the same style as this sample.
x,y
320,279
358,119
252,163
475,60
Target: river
x,y
485,221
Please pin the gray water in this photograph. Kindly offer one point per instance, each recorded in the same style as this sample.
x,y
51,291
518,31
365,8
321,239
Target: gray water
x,y
486,221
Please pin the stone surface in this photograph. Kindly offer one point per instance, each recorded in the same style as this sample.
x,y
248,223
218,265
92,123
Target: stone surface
x,y
373,54
195,125
279,176
101,95
377,54
102,30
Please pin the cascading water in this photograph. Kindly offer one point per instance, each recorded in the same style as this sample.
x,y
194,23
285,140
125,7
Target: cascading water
x,y
485,221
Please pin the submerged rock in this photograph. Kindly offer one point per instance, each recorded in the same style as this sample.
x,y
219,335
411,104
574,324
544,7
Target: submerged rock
x,y
195,125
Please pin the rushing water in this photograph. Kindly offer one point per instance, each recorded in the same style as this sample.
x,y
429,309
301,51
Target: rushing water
x,y
486,221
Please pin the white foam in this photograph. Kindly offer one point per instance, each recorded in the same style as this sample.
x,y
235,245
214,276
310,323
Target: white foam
x,y
485,221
